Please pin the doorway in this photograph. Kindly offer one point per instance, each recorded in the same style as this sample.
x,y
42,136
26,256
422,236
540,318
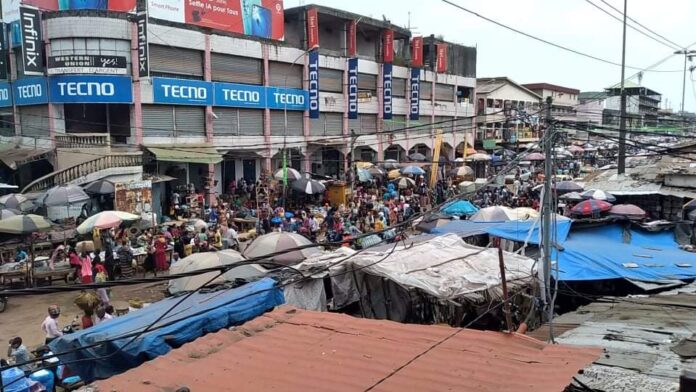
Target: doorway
x,y
249,170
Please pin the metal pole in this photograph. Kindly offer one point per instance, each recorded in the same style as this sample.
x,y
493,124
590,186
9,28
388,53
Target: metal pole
x,y
353,167
503,279
622,119
546,205
686,55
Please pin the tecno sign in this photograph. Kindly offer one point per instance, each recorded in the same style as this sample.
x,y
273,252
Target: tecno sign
x,y
313,84
387,91
185,92
87,89
90,89
353,88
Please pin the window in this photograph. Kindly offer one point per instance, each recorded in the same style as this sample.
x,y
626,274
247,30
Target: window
x,y
489,103
7,122
444,92
330,80
397,123
367,82
328,124
172,121
34,120
236,69
285,75
294,120
176,62
426,90
398,87
92,46
364,124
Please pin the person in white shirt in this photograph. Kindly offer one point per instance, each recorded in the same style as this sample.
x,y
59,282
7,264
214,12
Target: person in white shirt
x,y
102,316
50,324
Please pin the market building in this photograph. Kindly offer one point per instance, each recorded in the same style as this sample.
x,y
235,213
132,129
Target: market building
x,y
116,94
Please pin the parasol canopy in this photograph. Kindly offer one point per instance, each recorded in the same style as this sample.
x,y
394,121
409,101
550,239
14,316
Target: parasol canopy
x,y
590,207
571,196
308,186
567,186
598,194
364,165
16,201
493,214
535,156
459,208
462,171
64,195
278,242
394,174
576,149
630,211
478,157
24,224
105,220
405,182
7,213
292,174
205,260
413,171
100,187
432,222
364,175
524,213
390,164
467,186
377,172
417,157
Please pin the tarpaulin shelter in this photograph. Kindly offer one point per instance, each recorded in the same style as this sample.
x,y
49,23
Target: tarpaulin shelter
x,y
460,207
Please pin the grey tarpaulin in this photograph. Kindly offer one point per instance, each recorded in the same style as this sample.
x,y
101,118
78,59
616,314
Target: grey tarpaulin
x,y
308,295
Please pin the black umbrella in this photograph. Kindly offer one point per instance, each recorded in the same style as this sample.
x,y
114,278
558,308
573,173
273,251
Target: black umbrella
x,y
308,186
417,157
567,186
100,187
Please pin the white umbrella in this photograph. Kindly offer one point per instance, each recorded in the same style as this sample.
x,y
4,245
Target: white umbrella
x,y
64,195
199,261
7,212
16,201
292,174
598,194
276,242
494,214
478,157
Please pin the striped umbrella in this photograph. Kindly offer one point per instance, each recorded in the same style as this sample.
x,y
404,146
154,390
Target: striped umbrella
x,y
105,220
535,156
390,164
463,171
16,201
278,242
405,182
7,213
590,207
64,195
377,172
308,186
24,224
413,170
292,174
567,186
630,211
598,194
101,187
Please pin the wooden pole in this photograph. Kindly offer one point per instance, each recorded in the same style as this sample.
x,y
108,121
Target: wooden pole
x,y
506,303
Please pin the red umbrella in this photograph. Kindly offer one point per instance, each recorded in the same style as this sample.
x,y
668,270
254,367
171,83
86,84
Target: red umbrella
x,y
535,156
590,207
627,210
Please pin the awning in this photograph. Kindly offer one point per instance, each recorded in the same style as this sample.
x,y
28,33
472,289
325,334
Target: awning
x,y
15,156
190,154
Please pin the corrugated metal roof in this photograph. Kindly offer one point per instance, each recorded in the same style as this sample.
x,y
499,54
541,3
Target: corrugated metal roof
x,y
295,350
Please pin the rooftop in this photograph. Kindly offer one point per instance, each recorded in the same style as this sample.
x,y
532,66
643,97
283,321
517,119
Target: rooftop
x,y
551,87
489,85
296,350
592,95
345,15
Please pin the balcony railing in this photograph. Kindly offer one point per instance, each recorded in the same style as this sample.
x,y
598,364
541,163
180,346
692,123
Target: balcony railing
x,y
83,140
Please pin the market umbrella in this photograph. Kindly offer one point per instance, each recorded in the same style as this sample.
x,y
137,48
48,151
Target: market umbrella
x,y
308,186
535,156
292,174
24,224
493,214
576,149
377,172
432,222
463,171
467,186
478,157
459,208
598,194
590,207
417,157
205,260
64,195
100,187
364,175
390,164
364,165
630,211
567,186
278,242
394,174
198,224
105,220
16,201
524,213
460,159
7,213
405,182
572,196
412,170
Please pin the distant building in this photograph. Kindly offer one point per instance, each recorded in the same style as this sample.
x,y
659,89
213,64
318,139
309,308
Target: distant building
x,y
591,105
564,99
498,99
642,106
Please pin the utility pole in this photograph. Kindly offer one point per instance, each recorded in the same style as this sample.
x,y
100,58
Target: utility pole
x,y
546,207
622,118
353,167
687,56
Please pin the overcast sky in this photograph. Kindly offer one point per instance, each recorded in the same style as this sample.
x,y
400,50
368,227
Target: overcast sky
x,y
572,23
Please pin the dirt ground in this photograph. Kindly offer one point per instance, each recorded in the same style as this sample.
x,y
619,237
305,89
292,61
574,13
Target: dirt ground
x,y
23,315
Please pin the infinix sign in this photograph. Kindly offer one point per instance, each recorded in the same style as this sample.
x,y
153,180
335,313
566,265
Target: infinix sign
x,y
414,112
314,84
352,89
32,46
90,89
387,91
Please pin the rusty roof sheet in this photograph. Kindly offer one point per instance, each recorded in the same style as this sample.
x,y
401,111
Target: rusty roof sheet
x,y
296,350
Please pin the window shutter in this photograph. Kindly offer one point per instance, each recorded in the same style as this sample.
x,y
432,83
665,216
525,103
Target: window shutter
x,y
236,69
444,92
189,120
250,122
295,123
34,120
177,61
330,80
227,122
281,73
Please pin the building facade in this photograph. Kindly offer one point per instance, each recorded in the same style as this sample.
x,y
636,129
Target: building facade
x,y
214,106
564,100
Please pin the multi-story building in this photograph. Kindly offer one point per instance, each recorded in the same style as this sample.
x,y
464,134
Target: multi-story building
x,y
507,112
564,100
591,105
211,100
642,105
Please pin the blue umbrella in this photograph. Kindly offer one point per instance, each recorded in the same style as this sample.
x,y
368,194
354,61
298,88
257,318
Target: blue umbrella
x,y
413,170
276,219
460,207
364,175
289,215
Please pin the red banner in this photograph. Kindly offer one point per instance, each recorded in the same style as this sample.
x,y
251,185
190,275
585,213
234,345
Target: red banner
x,y
351,39
312,28
441,50
417,52
388,46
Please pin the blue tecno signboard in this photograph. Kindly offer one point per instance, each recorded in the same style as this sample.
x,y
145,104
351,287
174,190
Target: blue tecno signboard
x,y
414,110
313,65
240,95
90,89
286,98
353,89
30,91
5,95
182,91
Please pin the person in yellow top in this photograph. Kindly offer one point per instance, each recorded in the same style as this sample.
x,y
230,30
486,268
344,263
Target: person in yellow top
x,y
217,239
379,224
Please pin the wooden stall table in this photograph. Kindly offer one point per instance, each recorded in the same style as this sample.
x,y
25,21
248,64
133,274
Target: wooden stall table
x,y
245,224
59,274
7,278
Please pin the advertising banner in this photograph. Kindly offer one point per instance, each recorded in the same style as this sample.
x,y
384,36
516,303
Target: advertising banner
x,y
387,91
414,107
182,91
63,5
351,38
87,64
260,18
312,28
90,89
30,91
388,46
133,197
4,50
32,42
441,50
240,95
285,98
417,52
314,84
353,89
143,48
5,94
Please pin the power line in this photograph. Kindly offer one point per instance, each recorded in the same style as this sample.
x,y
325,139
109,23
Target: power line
x,y
643,26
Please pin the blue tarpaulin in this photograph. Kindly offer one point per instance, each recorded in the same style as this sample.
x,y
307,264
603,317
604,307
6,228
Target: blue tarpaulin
x,y
460,207
510,230
198,315
612,252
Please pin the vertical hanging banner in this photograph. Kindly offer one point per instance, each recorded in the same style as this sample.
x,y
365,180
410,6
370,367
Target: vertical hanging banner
x,y
4,47
417,52
436,158
32,42
441,50
353,89
351,38
388,46
143,49
313,84
387,91
312,28
414,107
